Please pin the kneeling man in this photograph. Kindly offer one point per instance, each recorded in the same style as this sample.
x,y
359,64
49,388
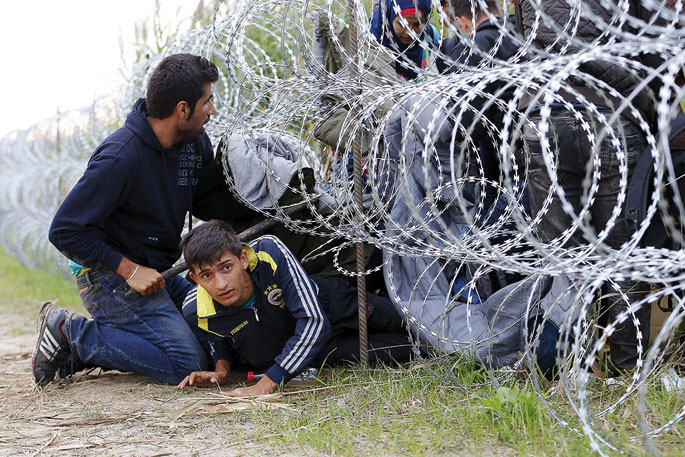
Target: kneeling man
x,y
256,302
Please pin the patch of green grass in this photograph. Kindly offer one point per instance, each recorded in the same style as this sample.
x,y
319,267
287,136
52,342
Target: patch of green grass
x,y
416,412
396,412
23,290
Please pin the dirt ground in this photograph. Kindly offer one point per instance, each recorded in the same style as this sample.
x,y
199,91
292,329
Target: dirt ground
x,y
112,413
123,414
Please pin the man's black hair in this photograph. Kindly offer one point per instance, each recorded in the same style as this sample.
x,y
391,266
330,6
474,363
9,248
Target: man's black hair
x,y
206,242
179,77
465,8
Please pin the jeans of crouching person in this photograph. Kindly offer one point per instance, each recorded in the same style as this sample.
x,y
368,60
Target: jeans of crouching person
x,y
571,149
143,334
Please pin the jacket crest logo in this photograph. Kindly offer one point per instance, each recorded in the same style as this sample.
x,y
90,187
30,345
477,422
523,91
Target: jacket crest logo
x,y
274,295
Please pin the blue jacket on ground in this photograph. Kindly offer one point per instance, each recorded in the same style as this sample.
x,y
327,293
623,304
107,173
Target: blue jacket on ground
x,y
133,198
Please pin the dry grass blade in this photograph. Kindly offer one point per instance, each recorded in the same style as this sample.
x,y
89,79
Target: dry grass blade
x,y
319,389
226,405
71,447
95,421
231,407
48,443
174,416
16,355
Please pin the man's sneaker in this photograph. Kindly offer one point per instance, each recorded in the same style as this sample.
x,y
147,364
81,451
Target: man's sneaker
x,y
71,365
51,351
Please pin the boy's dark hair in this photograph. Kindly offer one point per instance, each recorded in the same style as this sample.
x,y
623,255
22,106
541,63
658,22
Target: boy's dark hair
x,y
179,77
206,242
465,8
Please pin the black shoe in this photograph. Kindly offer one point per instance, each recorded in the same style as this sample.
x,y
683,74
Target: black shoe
x,y
72,365
51,351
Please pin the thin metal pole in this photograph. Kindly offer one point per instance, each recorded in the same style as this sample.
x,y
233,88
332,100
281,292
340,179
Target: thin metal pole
x,y
357,162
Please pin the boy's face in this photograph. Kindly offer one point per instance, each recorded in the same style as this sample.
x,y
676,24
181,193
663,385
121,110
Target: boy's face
x,y
226,279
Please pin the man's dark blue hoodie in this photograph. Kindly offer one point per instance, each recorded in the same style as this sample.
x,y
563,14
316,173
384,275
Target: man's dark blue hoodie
x,y
489,38
133,198
493,43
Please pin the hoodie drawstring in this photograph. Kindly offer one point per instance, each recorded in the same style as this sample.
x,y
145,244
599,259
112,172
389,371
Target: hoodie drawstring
x,y
191,178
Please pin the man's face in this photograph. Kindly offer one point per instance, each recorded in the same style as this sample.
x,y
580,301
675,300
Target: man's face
x,y
466,24
193,127
414,23
226,279
446,22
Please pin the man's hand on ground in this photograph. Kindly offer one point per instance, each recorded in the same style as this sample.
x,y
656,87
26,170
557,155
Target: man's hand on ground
x,y
265,386
144,280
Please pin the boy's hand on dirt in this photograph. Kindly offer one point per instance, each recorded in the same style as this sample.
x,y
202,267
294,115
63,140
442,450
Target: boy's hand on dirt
x,y
265,386
203,378
206,378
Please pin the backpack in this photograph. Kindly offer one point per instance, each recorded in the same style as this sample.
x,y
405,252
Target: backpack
x,y
640,191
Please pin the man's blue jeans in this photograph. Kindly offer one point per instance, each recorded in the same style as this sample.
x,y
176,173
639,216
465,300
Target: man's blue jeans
x,y
143,334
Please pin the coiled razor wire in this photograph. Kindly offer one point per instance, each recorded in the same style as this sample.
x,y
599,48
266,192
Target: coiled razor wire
x,y
274,82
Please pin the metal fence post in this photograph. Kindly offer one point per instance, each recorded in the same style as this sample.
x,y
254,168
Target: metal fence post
x,y
357,174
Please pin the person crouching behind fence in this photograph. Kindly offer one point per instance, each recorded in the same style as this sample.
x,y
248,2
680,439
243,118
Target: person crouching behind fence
x,y
403,27
255,301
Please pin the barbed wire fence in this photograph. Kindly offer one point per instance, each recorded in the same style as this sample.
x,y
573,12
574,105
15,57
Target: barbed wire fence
x,y
465,258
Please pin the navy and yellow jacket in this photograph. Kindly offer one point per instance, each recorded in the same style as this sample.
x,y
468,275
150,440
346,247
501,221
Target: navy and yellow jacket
x,y
286,328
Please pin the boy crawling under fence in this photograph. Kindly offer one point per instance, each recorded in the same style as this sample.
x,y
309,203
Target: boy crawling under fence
x,y
256,303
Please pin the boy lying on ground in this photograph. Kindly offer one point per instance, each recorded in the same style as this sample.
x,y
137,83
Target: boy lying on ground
x,y
256,302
